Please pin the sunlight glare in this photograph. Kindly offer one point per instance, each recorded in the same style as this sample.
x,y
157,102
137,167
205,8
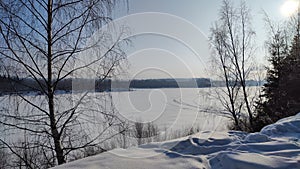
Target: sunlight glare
x,y
289,8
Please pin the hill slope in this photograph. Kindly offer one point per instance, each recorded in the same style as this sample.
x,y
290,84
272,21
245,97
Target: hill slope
x,y
276,146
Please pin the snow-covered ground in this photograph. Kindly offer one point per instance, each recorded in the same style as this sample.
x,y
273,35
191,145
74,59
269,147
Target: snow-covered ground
x,y
277,146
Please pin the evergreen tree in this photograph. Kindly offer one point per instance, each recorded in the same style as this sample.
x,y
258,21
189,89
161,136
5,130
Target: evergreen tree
x,y
281,93
290,80
270,101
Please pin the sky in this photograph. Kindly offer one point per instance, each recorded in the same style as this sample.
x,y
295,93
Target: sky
x,y
166,55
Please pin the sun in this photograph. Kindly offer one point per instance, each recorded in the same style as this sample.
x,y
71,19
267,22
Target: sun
x,y
289,8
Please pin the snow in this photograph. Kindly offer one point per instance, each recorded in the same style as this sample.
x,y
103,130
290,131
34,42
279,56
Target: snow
x,y
277,146
170,108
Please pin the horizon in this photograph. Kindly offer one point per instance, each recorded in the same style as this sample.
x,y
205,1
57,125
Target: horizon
x,y
161,56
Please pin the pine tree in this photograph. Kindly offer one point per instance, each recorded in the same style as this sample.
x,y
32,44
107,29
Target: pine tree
x,y
290,80
270,101
281,93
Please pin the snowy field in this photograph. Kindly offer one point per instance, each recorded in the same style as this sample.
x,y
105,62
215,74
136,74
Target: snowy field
x,y
277,146
171,108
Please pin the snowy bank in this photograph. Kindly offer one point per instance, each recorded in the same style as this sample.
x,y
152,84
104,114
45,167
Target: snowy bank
x,y
277,146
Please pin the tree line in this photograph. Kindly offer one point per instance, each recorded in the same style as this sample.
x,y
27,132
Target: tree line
x,y
16,85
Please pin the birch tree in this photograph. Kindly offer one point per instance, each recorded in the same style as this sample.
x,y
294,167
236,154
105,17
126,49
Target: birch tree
x,y
232,38
43,40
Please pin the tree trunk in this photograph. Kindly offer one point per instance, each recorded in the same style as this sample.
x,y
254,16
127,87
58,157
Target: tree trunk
x,y
247,105
55,134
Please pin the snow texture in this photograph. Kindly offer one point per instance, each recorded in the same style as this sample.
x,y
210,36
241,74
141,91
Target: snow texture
x,y
277,146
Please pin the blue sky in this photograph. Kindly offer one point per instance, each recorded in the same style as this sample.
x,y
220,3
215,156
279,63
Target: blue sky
x,y
155,56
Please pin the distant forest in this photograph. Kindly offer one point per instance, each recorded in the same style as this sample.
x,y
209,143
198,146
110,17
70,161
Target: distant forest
x,y
12,85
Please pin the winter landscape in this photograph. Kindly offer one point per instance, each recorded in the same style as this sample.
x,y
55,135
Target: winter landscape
x,y
138,84
275,146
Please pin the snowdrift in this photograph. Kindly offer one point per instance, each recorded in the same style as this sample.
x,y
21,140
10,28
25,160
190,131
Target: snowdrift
x,y
277,146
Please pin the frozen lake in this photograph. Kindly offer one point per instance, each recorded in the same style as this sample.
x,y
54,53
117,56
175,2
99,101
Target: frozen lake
x,y
171,108
168,108
103,116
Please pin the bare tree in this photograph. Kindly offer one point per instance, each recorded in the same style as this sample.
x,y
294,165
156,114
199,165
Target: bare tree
x,y
145,132
139,132
232,37
44,40
228,96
